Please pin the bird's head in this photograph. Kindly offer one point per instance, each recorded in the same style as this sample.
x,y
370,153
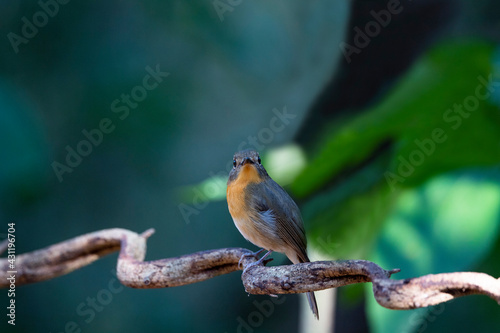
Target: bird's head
x,y
247,167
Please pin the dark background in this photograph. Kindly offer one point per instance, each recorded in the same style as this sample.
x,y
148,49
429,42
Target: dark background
x,y
354,118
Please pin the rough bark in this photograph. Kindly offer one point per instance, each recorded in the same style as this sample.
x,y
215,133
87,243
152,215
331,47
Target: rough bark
x,y
133,271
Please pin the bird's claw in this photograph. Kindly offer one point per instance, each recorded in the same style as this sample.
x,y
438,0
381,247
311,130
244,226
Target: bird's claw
x,y
246,255
261,261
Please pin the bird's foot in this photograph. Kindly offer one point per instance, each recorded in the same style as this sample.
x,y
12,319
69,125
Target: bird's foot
x,y
253,254
261,261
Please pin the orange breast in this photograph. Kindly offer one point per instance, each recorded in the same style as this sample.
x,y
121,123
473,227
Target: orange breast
x,y
237,205
236,191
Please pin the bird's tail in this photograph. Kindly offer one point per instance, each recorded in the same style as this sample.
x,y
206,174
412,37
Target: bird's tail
x,y
312,303
310,295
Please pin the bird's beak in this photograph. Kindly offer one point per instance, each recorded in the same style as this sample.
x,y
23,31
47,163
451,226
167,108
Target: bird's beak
x,y
246,160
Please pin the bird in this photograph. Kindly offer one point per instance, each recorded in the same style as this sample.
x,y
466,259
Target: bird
x,y
264,212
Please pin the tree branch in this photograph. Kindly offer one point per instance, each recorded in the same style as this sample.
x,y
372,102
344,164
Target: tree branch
x,y
133,271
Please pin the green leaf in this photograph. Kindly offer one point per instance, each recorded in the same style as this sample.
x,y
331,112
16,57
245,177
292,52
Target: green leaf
x,y
351,185
344,221
451,74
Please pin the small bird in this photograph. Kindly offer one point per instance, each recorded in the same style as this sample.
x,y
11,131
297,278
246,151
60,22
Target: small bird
x,y
264,213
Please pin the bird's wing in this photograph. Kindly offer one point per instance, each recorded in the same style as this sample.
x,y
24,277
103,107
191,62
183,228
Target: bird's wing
x,y
272,202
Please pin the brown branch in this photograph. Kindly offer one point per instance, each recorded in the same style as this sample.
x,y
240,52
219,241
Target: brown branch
x,y
133,271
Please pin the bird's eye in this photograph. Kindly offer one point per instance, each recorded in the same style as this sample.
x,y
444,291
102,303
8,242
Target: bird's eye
x,y
234,163
258,159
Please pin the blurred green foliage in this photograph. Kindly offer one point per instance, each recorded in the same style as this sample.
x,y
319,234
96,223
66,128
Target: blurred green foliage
x,y
362,198
418,105
446,225
421,222
379,183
